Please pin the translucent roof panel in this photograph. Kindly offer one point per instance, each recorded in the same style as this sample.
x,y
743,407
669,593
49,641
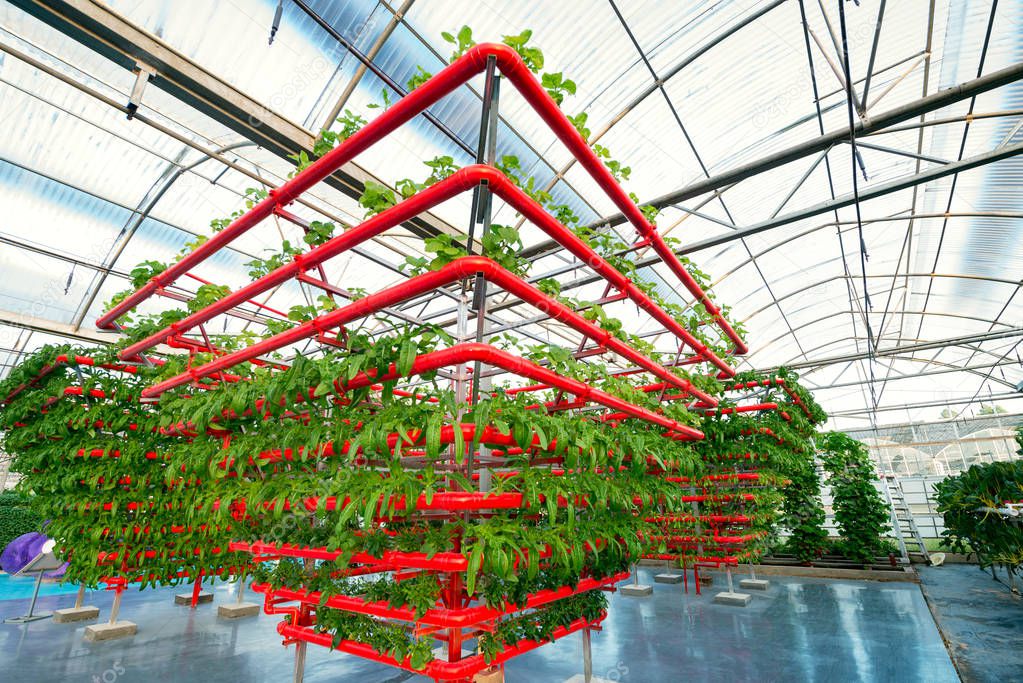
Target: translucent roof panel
x,y
932,270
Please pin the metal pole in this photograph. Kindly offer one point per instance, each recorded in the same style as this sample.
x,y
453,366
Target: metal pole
x,y
116,607
587,656
867,194
943,98
300,648
35,594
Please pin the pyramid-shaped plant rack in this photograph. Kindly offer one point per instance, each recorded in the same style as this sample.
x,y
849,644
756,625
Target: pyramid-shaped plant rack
x,y
425,511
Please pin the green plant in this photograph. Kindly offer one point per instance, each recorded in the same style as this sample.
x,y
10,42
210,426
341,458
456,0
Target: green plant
x,y
146,271
803,512
385,95
557,86
532,56
860,512
970,503
16,518
376,198
95,468
462,41
418,78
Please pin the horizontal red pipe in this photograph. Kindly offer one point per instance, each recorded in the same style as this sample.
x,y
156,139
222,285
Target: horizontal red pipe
x,y
444,562
720,540
463,669
700,560
439,616
64,359
438,86
454,271
724,497
458,182
728,476
710,519
441,562
462,353
768,382
756,407
253,302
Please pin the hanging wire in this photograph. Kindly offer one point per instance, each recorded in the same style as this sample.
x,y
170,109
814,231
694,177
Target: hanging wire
x,y
857,161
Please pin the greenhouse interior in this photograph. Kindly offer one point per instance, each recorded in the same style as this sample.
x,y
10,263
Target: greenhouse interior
x,y
578,341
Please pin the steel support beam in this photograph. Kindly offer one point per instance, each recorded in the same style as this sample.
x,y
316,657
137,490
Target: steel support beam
x,y
907,349
36,323
1006,396
874,124
945,370
866,194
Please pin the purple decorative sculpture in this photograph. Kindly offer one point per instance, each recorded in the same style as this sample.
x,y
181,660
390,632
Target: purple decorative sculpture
x,y
22,550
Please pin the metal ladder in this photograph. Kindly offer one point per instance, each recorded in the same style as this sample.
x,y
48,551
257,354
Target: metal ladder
x,y
903,525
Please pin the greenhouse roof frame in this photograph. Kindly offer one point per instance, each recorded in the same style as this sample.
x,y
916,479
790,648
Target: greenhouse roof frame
x,y
948,75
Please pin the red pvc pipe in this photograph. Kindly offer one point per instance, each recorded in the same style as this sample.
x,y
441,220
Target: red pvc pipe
x,y
462,353
710,519
461,181
64,359
447,80
744,409
456,270
440,616
439,670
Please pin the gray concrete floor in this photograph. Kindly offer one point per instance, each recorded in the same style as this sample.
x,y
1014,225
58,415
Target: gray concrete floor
x,y
800,630
981,619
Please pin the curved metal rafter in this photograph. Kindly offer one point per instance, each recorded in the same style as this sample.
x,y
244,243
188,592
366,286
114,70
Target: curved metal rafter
x,y
764,347
956,276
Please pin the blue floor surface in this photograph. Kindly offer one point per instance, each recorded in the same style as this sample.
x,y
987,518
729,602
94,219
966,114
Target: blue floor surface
x,y
980,618
800,630
19,588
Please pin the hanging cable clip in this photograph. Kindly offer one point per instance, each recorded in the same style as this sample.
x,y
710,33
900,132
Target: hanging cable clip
x,y
143,72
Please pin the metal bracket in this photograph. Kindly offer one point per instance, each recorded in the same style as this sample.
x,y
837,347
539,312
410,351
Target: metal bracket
x,y
143,72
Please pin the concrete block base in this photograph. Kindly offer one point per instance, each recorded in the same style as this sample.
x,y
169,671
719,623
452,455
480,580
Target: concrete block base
x,y
579,678
186,598
634,590
755,584
237,610
492,675
736,599
71,614
118,629
668,578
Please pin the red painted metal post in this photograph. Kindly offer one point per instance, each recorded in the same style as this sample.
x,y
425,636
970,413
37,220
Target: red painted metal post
x,y
196,589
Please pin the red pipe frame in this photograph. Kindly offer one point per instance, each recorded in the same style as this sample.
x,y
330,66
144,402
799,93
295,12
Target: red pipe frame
x,y
459,72
458,269
443,83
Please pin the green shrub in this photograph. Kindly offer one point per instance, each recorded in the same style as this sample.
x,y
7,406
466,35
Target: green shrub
x,y
967,503
15,521
10,499
803,513
861,513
